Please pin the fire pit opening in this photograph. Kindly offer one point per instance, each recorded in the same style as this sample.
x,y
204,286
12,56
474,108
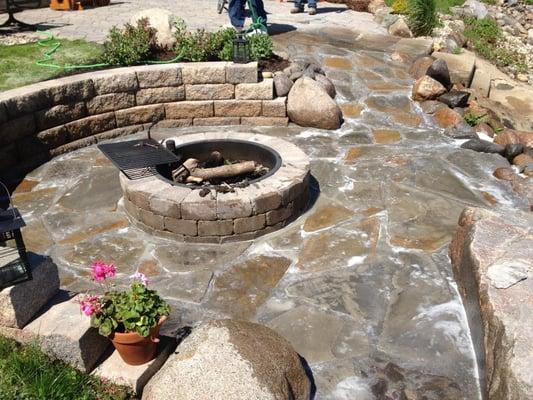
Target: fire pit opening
x,y
226,162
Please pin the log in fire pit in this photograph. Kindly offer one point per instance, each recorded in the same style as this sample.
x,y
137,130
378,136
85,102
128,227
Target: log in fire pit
x,y
227,187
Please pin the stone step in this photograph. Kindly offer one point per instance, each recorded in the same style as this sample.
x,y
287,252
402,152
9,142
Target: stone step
x,y
114,369
64,333
20,303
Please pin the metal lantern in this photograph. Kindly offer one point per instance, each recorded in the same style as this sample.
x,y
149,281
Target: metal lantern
x,y
241,50
14,265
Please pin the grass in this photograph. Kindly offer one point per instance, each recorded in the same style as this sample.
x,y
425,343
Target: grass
x,y
442,5
28,374
18,68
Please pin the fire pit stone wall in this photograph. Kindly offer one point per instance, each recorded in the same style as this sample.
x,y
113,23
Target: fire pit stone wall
x,y
179,212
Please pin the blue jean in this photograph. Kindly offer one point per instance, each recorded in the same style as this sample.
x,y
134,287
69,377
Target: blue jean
x,y
300,3
237,14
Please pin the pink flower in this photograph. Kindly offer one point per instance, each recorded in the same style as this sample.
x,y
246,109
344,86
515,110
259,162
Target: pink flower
x,y
100,271
138,276
89,305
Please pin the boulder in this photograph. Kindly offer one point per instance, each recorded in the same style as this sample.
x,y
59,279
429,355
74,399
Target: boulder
x,y
472,8
328,86
427,88
446,117
438,70
162,21
420,67
461,67
492,255
511,136
282,84
512,150
231,360
461,131
522,160
400,28
455,98
483,146
308,104
376,5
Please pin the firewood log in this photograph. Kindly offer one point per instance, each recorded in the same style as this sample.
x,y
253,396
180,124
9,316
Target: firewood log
x,y
224,171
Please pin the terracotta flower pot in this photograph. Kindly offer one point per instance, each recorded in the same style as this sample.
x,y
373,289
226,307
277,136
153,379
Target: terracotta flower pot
x,y
135,349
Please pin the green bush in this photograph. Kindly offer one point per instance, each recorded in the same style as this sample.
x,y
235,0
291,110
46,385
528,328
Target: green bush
x,y
422,16
130,45
400,6
261,46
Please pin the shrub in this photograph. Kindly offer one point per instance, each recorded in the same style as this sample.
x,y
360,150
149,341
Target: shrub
x,y
130,45
400,6
223,43
422,16
261,46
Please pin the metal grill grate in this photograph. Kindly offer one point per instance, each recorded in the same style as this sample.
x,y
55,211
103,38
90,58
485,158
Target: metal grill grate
x,y
138,158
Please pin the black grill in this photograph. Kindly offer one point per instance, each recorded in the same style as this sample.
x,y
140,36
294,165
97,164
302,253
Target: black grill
x,y
138,158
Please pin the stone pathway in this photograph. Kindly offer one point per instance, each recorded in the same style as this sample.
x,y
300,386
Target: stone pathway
x,y
93,24
361,284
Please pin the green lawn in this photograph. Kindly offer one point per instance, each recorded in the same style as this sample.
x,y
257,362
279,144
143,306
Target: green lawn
x,y
27,374
18,62
442,5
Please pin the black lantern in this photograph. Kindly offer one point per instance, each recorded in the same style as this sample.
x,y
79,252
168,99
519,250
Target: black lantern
x,y
14,265
241,50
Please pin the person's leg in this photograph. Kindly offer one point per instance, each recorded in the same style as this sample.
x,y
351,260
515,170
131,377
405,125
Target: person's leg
x,y
236,13
311,5
298,7
260,9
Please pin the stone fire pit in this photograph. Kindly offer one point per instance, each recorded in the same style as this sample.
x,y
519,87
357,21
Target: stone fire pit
x,y
162,207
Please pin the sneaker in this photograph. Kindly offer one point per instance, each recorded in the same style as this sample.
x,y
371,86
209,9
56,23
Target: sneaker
x,y
296,10
312,11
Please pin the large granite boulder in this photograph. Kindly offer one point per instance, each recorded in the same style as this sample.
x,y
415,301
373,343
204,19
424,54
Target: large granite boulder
x,y
231,360
492,257
310,105
162,21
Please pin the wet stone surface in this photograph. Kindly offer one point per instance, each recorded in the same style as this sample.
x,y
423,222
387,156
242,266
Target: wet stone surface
x,y
360,284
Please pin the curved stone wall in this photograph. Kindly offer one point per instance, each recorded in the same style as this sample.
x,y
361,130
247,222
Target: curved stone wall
x,y
180,212
49,118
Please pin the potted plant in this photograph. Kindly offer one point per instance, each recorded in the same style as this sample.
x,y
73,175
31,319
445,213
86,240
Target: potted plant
x,y
131,318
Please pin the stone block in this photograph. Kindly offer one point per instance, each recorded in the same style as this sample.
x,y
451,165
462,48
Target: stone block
x,y
132,209
249,224
152,220
275,108
242,73
215,228
140,115
237,108
65,333
255,91
181,226
91,125
265,121
224,91
165,207
217,121
16,129
267,201
174,123
26,101
110,102
233,205
59,115
461,66
75,145
189,109
159,76
115,370
70,89
281,214
195,207
106,82
160,95
20,303
204,72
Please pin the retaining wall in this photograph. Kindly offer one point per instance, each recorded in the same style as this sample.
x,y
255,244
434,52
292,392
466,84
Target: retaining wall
x,y
50,118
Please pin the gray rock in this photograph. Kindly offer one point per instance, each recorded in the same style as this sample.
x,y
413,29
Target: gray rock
x,y
400,28
472,8
282,84
308,104
231,360
513,149
506,274
162,21
438,70
20,303
461,131
309,72
296,75
326,83
483,146
455,98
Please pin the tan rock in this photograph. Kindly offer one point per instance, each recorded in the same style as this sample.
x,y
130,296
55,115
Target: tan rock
x,y
209,92
511,136
255,91
420,66
461,66
400,28
522,160
237,108
447,117
427,88
321,113
231,360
